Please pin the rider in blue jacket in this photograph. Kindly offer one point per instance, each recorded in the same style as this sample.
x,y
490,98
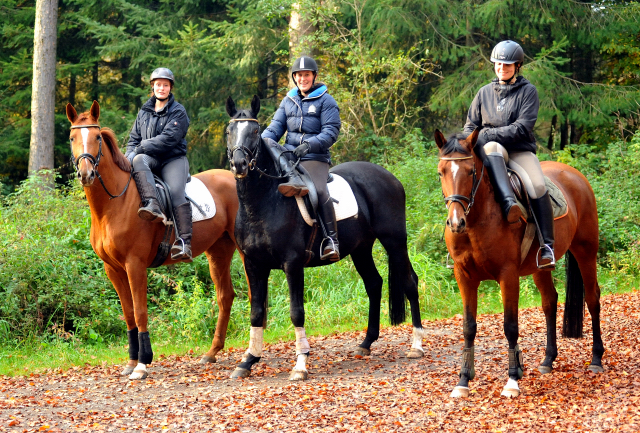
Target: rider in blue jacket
x,y
311,119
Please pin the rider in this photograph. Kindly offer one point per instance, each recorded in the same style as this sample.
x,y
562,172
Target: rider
x,y
157,144
506,111
311,118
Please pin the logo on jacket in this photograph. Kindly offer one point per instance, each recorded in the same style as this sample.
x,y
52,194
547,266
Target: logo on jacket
x,y
501,104
312,109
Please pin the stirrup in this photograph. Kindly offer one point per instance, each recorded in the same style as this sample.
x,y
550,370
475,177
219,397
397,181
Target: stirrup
x,y
551,264
181,252
333,255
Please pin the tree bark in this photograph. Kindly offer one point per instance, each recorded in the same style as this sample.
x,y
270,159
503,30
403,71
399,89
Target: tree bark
x,y
564,133
552,132
43,93
299,30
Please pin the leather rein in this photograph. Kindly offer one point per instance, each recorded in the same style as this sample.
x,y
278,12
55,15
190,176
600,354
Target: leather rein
x,y
248,154
459,198
96,161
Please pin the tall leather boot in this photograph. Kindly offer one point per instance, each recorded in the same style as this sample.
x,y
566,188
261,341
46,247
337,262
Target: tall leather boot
x,y
330,243
543,211
294,185
181,248
150,209
502,187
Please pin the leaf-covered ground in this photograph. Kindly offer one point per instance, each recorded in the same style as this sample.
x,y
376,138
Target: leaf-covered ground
x,y
381,392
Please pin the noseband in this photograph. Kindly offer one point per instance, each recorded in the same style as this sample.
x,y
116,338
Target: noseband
x,y
96,161
458,198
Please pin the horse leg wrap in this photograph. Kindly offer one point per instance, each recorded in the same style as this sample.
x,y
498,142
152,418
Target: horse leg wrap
x,y
248,361
134,347
516,363
256,339
302,344
468,361
145,355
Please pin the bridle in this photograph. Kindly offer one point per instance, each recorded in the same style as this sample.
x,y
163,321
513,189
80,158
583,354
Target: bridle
x,y
459,198
248,154
96,161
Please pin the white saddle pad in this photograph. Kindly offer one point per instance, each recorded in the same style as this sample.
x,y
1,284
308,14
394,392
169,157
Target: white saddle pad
x,y
340,190
198,192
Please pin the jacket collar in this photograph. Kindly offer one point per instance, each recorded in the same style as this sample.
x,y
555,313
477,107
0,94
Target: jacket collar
x,y
520,81
319,90
150,105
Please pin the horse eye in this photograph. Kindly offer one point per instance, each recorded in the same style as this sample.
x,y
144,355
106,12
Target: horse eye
x,y
71,139
440,173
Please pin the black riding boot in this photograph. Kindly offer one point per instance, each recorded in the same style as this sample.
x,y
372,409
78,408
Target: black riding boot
x,y
502,187
294,185
181,249
329,244
543,212
149,207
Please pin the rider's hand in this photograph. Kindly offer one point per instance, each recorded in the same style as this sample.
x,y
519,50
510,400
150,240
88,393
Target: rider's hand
x,y
301,150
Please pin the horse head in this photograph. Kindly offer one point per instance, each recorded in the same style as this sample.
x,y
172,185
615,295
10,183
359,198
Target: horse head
x,y
243,137
458,176
86,142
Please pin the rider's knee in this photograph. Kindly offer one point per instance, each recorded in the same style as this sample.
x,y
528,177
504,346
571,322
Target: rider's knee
x,y
495,147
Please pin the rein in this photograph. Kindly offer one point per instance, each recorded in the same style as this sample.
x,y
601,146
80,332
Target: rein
x,y
252,161
96,161
459,198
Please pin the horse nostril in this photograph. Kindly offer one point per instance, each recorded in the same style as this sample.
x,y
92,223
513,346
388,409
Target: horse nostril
x,y
79,175
448,222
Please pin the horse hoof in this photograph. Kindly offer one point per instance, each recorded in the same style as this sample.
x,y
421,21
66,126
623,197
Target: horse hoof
x,y
127,371
460,392
415,353
510,392
362,351
240,373
299,375
138,375
544,369
596,368
207,359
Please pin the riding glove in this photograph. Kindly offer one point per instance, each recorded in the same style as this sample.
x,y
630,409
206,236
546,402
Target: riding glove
x,y
302,150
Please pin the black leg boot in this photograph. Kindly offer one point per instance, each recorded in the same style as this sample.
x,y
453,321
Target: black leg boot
x,y
294,185
543,212
149,207
329,244
181,249
502,187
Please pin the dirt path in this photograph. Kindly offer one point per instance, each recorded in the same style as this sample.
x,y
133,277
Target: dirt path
x,y
381,392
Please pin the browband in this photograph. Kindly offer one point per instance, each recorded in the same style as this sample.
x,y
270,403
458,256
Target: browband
x,y
244,120
84,126
457,158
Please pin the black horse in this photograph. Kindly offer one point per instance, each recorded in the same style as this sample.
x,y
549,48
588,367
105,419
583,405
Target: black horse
x,y
273,235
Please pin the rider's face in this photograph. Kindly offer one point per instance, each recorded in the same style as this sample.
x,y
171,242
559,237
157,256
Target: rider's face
x,y
304,80
161,88
505,71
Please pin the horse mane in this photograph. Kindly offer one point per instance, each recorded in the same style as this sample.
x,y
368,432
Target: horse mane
x,y
111,141
453,145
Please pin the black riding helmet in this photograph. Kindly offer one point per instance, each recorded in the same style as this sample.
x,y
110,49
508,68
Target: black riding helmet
x,y
162,73
304,63
507,52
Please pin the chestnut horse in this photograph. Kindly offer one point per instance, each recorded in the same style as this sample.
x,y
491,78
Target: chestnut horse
x,y
128,244
484,246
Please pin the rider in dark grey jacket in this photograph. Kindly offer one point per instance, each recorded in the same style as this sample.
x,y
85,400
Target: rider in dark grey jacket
x,y
506,110
157,144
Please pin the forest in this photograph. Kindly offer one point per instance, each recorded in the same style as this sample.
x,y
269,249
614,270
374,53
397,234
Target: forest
x,y
398,69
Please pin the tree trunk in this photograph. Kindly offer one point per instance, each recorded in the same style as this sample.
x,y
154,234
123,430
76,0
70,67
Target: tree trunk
x,y
43,93
564,133
552,132
299,30
94,82
72,89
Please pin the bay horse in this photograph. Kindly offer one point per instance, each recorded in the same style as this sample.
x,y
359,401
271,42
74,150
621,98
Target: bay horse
x,y
484,246
128,244
273,235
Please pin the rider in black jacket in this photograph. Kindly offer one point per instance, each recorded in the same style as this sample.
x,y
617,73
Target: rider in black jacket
x,y
506,110
157,144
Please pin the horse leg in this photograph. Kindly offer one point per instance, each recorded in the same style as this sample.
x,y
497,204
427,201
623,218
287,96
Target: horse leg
x,y
510,290
549,296
258,286
137,275
295,279
586,258
469,293
118,278
219,257
363,261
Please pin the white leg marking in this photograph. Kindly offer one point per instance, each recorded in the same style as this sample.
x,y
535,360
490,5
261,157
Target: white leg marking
x,y
140,372
85,136
511,389
460,392
256,341
301,363
417,339
302,345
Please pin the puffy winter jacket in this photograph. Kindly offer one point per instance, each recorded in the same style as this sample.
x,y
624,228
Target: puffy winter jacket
x,y
314,119
159,134
506,113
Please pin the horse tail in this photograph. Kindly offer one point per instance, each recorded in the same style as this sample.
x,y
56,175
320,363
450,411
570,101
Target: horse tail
x,y
397,296
575,300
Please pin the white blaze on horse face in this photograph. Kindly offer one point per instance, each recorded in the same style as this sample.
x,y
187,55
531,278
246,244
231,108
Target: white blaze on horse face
x,y
454,169
256,340
241,127
85,138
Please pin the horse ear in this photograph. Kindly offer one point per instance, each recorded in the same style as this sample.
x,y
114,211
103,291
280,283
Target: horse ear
x,y
255,105
473,138
95,110
231,107
440,141
72,115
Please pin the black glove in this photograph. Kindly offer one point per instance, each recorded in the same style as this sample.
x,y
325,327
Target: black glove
x,y
302,150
